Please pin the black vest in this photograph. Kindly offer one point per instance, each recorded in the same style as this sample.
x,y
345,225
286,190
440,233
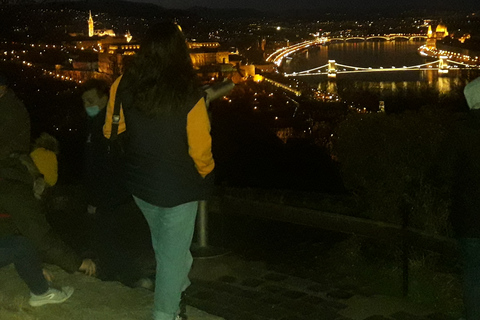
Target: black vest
x,y
158,167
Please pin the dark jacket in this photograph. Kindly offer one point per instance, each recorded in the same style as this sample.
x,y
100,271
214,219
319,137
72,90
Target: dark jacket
x,y
14,127
27,216
159,166
105,187
460,168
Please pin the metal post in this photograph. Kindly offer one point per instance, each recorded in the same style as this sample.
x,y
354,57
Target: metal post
x,y
201,249
202,224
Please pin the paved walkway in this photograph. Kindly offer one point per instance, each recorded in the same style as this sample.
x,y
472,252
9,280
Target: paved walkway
x,y
236,289
277,271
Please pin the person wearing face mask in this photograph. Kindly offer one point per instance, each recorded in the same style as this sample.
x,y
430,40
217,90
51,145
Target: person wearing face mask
x,y
107,200
15,122
95,98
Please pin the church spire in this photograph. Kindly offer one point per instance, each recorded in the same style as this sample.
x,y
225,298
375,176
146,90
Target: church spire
x,y
90,24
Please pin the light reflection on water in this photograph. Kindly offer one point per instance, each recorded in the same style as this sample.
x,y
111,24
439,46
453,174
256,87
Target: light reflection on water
x,y
430,80
377,54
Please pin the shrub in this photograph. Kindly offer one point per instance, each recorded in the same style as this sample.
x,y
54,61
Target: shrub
x,y
385,161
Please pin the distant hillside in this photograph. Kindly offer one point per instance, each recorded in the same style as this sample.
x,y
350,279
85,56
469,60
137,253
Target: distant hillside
x,y
114,7
135,9
118,7
226,13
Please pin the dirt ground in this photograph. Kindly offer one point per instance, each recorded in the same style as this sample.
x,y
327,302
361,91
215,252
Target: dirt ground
x,y
93,300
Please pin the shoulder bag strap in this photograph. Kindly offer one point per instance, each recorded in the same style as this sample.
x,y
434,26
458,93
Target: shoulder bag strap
x,y
116,113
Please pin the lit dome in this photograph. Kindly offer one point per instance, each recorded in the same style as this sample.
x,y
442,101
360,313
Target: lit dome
x,y
442,28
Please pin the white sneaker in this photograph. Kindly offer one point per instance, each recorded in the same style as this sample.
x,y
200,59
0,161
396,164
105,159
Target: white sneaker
x,y
51,296
145,283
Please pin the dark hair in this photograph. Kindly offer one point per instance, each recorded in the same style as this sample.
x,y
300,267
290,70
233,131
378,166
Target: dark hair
x,y
161,78
102,87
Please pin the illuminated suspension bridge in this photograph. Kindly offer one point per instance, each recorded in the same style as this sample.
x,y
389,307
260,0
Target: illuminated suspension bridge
x,y
442,65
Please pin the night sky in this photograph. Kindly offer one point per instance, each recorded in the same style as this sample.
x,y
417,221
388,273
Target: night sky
x,y
315,4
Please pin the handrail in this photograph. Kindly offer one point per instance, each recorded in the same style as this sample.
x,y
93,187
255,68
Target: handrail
x,y
228,204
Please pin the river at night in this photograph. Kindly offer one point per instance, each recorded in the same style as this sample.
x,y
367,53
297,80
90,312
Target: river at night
x,y
412,88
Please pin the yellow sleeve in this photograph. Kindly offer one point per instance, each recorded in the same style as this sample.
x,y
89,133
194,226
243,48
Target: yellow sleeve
x,y
107,127
46,162
199,139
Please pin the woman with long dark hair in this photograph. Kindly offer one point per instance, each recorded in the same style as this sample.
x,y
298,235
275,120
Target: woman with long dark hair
x,y
167,153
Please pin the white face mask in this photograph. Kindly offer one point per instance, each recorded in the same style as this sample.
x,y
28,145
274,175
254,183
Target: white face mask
x,y
92,111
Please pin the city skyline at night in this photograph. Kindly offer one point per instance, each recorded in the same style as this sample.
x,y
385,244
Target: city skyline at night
x,y
327,120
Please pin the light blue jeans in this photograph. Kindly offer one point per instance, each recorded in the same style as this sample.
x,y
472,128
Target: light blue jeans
x,y
172,232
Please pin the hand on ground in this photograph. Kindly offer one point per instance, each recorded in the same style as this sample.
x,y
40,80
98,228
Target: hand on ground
x,y
88,267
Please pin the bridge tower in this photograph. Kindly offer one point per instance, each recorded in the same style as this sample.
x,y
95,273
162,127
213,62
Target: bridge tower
x,y
443,64
332,69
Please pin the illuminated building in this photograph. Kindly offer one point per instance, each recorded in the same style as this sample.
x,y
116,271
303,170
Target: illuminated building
x,y
101,32
440,33
207,53
128,36
199,45
205,56
112,57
